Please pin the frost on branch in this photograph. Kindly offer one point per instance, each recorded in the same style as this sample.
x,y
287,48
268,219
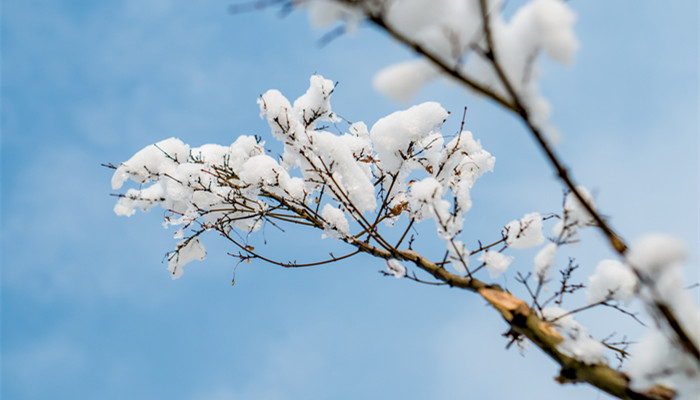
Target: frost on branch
x,y
333,182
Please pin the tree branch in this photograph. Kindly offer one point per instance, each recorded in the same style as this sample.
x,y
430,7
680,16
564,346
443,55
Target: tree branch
x,y
525,321
516,106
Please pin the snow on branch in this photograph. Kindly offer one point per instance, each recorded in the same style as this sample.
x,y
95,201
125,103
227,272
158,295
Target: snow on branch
x,y
353,186
322,179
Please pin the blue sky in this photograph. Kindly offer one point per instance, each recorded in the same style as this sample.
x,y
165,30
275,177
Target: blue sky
x,y
88,309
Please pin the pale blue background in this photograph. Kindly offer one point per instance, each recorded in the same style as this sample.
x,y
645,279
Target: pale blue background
x,y
88,310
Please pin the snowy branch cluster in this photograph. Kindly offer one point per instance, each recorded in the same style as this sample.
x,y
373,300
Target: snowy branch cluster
x,y
355,185
322,178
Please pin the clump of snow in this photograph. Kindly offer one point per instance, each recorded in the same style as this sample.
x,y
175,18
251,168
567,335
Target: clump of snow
x,y
243,148
425,200
325,12
261,170
276,109
446,27
187,251
395,268
659,357
403,133
575,216
423,196
183,181
657,360
575,210
210,153
314,105
577,342
658,260
554,21
340,154
402,81
337,224
322,157
544,260
611,280
654,253
526,232
145,165
458,255
463,161
143,199
496,263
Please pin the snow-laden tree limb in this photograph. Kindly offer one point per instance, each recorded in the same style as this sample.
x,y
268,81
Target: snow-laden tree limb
x,y
496,58
356,186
